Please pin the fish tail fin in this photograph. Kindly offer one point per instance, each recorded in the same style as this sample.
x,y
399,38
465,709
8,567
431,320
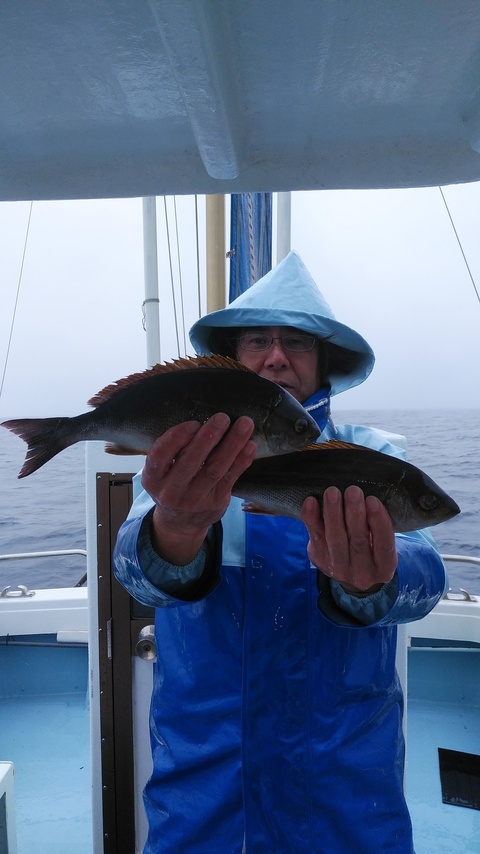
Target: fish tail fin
x,y
45,438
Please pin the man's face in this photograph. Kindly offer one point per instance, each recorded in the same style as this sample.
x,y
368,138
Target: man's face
x,y
298,373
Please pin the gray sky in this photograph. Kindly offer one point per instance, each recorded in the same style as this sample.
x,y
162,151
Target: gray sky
x,y
387,261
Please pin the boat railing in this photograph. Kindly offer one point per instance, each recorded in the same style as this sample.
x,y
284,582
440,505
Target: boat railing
x,y
63,552
22,590
462,558
20,555
462,594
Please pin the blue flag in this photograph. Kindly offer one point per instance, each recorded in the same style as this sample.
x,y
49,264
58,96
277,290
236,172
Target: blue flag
x,y
250,240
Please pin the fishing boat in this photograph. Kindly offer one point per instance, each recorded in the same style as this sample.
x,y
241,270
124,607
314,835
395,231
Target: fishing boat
x,y
146,99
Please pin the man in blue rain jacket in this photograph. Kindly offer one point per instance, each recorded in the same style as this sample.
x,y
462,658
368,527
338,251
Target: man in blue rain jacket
x,y
276,717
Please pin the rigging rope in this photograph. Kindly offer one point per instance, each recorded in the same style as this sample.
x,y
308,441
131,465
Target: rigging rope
x,y
175,297
180,277
171,274
178,301
20,276
460,245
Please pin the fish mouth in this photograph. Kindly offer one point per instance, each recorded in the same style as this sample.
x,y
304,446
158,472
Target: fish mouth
x,y
453,510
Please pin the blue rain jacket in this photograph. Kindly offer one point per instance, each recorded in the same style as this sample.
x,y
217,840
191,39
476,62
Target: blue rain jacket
x,y
276,717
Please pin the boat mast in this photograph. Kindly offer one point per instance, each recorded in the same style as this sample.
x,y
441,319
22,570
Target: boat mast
x,y
215,251
215,260
215,243
151,301
284,224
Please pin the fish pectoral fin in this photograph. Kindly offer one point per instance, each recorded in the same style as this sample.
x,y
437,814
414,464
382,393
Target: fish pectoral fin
x,y
123,451
251,507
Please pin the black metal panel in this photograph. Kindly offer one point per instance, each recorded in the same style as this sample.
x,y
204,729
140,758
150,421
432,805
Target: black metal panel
x,y
460,778
119,622
3,825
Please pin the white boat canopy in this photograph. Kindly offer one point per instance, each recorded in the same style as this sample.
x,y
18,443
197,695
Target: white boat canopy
x,y
152,97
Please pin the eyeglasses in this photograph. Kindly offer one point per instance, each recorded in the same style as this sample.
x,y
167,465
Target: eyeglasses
x,y
256,342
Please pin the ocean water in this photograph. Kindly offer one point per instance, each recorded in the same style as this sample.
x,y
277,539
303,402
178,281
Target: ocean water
x,y
46,511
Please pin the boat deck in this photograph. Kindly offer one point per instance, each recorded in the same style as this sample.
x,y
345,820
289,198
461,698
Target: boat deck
x,y
443,712
44,731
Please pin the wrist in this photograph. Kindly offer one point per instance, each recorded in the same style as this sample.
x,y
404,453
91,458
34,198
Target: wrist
x,y
173,544
358,592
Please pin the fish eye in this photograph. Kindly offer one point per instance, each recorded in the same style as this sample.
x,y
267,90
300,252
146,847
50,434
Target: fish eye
x,y
428,501
301,424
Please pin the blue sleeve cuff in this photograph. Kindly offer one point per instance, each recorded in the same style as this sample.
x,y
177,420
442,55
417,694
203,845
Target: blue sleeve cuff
x,y
167,577
139,569
421,582
369,609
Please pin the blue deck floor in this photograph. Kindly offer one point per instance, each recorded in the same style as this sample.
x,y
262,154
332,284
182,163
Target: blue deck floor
x,y
44,731
443,711
46,735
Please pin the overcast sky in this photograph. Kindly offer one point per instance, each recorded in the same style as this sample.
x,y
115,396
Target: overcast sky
x,y
388,262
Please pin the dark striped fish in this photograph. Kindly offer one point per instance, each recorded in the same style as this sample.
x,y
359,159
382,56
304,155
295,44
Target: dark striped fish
x,y
279,486
133,412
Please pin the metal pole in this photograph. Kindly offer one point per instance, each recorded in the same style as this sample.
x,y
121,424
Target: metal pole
x,y
284,224
215,237
151,302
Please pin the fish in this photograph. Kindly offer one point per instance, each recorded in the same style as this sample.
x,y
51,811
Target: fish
x,y
279,486
131,413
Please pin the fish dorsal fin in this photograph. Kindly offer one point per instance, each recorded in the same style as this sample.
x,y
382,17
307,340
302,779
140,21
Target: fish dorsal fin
x,y
335,445
183,364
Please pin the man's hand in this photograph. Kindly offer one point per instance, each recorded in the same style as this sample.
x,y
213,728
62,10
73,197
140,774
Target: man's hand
x,y
189,472
355,541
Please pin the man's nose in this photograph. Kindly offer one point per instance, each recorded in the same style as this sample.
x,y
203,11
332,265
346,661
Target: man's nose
x,y
276,353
